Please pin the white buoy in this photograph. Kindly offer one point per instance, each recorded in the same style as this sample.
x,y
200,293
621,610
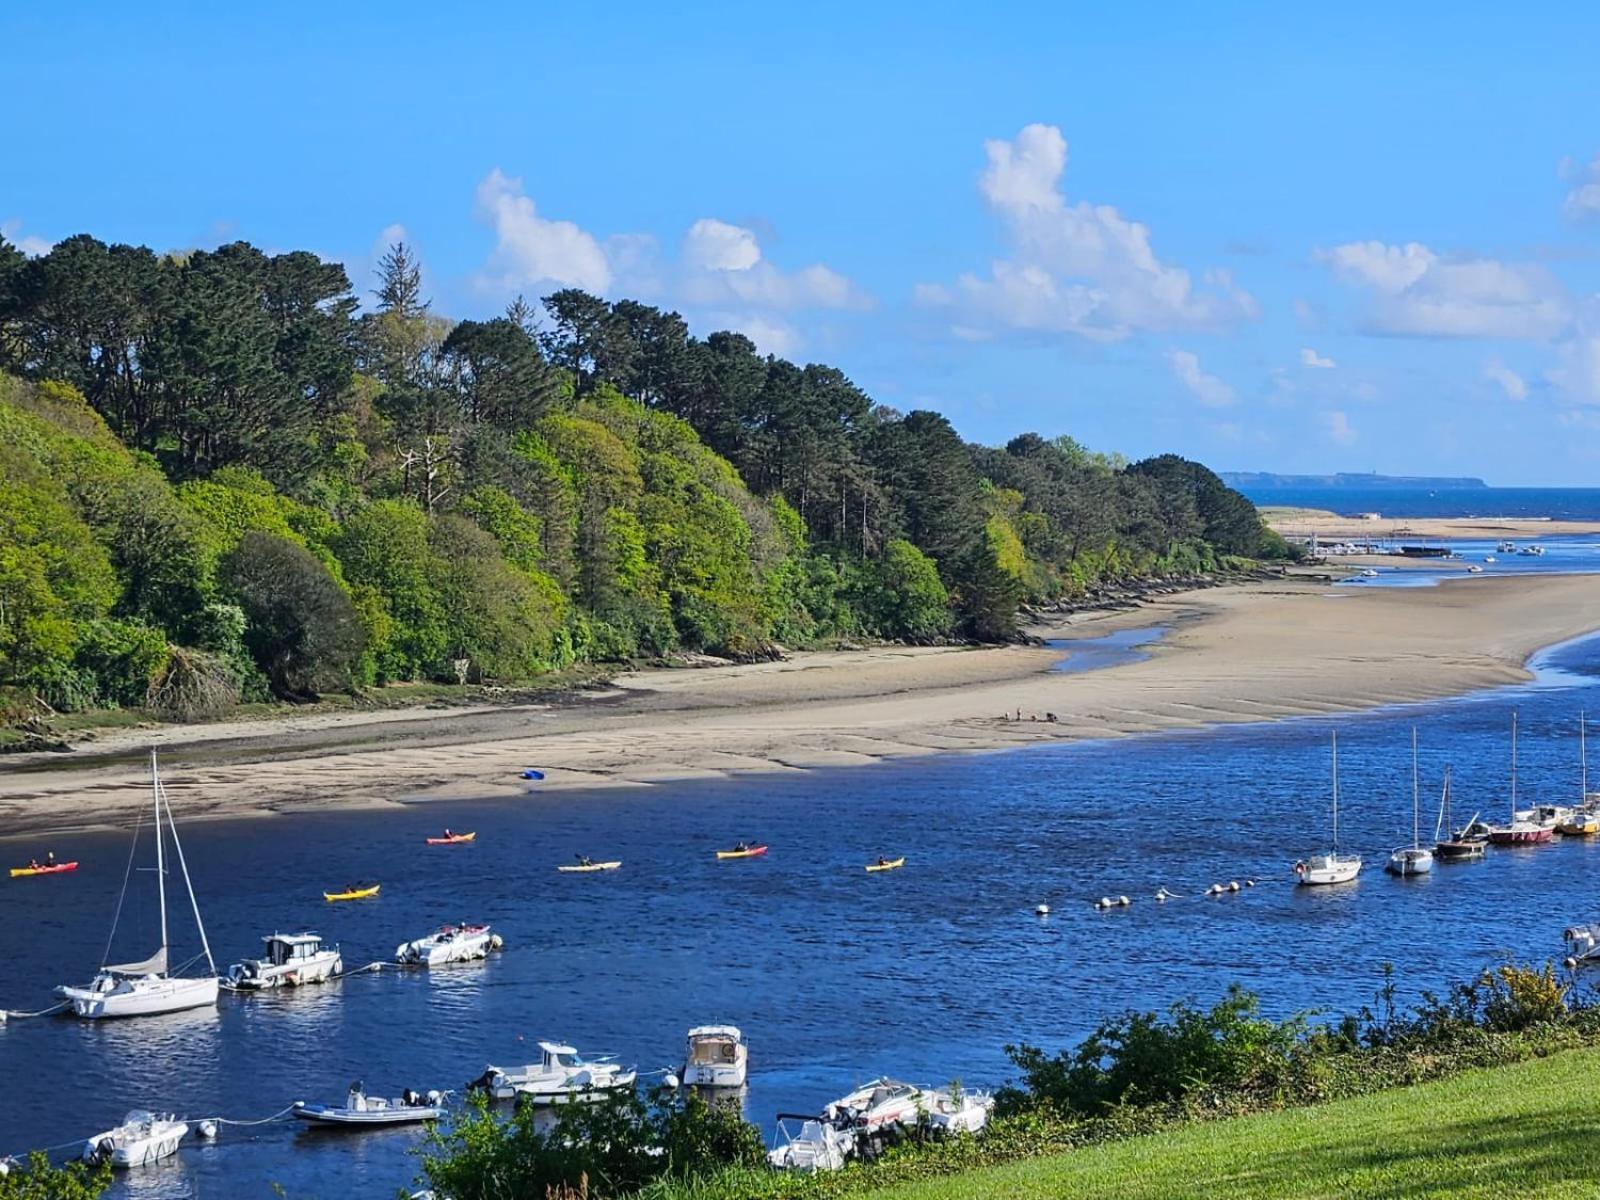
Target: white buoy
x,y
1124,901
1042,911
208,1129
671,1081
1233,886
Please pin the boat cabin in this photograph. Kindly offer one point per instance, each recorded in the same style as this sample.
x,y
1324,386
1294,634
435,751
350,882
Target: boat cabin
x,y
558,1058
714,1045
286,949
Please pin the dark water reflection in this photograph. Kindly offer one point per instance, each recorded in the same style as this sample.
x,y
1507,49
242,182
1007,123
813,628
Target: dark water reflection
x,y
834,974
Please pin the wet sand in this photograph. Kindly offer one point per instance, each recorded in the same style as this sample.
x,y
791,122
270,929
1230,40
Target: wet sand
x,y
1241,653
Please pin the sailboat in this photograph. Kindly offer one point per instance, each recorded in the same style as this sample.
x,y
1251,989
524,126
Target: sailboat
x,y
1413,859
149,987
1583,821
1331,867
1523,829
1456,845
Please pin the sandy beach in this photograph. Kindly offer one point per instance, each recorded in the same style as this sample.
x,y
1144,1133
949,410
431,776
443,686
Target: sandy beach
x,y
1240,653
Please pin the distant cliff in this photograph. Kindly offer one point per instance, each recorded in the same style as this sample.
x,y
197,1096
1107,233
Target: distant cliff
x,y
1266,479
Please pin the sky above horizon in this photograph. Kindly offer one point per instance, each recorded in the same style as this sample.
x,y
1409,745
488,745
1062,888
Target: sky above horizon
x,y
1359,239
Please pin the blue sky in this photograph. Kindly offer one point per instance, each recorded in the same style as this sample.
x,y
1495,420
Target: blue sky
x,y
1366,238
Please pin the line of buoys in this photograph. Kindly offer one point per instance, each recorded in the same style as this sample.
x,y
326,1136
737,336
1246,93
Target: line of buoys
x,y
1162,895
1106,902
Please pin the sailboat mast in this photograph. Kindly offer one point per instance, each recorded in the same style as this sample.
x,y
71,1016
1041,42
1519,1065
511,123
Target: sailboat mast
x,y
161,866
1583,760
1513,765
1336,792
189,884
1416,828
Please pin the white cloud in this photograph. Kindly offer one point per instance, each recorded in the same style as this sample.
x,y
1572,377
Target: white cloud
x,y
1310,358
1583,200
1076,268
1208,389
1510,382
1336,425
771,336
1417,293
30,244
712,245
529,249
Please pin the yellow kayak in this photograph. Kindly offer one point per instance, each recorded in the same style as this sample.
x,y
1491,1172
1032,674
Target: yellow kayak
x,y
353,893
581,867
747,852
887,866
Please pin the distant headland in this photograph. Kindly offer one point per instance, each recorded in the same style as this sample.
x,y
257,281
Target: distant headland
x,y
1354,482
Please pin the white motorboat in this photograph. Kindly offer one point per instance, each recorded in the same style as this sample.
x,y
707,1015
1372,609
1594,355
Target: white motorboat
x,y
360,1110
717,1057
1531,551
1330,866
1507,547
1474,569
559,1077
142,1138
448,944
1583,944
292,958
1368,573
150,986
816,1146
957,1110
879,1105
1415,859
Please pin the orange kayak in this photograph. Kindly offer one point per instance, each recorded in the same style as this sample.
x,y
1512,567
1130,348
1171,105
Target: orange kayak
x,y
20,872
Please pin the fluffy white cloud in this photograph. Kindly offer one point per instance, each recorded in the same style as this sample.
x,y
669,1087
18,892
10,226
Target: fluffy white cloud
x,y
1310,358
1076,268
1510,382
1418,293
1208,389
712,245
1583,200
30,244
531,250
1336,425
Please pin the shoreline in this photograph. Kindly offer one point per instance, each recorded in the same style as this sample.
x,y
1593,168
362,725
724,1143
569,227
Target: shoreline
x,y
1233,654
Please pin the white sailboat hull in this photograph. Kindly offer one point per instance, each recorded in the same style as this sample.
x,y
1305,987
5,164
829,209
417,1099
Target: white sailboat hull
x,y
1410,861
1328,869
144,997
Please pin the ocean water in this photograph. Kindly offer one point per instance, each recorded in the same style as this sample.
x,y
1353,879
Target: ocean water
x,y
836,975
1570,504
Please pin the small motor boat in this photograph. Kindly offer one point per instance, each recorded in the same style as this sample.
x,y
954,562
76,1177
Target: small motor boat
x,y
887,864
957,1110
291,958
743,851
717,1057
143,1137
588,865
816,1146
42,869
559,1077
360,891
360,1110
448,944
878,1105
452,839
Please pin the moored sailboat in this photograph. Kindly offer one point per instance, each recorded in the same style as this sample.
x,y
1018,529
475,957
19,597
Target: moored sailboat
x,y
150,986
1523,830
1414,859
1330,866
1584,820
1457,845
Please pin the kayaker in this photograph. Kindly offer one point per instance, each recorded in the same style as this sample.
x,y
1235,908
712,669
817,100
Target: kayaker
x,y
448,835
33,864
585,861
740,846
50,858
882,861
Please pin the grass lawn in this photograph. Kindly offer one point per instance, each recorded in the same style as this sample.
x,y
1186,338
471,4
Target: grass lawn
x,y
1527,1130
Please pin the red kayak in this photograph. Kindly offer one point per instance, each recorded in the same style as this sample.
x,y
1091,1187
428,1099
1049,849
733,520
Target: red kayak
x,y
19,872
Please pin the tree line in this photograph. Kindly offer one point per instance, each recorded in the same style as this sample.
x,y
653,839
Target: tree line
x,y
222,477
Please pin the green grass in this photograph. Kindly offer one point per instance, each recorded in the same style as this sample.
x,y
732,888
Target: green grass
x,y
1526,1130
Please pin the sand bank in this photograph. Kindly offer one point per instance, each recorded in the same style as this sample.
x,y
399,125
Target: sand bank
x,y
1331,526
1245,653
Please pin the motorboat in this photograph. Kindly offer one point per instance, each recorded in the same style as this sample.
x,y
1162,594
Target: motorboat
x,y
360,1110
1474,569
150,986
1524,829
879,1105
817,1145
291,958
452,839
741,850
1531,551
142,1138
717,1057
887,864
1415,859
43,868
1460,845
1583,944
1368,573
1507,547
1330,867
356,891
448,944
957,1110
588,866
559,1077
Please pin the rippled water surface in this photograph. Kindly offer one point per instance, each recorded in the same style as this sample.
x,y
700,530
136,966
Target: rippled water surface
x,y
835,974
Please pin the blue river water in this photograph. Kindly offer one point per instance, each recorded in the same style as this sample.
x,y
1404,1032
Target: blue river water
x,y
835,975
1567,504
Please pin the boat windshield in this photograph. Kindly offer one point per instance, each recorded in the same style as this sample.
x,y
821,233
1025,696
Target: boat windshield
x,y
139,1117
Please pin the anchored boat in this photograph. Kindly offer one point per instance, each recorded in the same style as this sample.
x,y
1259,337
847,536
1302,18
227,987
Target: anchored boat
x,y
1414,859
448,944
1459,845
817,1145
292,958
1523,830
559,1077
717,1057
150,986
1584,820
879,1105
957,1110
1330,867
142,1138
360,1110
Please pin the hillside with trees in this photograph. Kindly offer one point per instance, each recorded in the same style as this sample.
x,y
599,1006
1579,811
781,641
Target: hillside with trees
x,y
223,479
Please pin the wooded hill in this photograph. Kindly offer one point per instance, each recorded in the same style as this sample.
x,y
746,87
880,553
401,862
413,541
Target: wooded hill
x,y
220,478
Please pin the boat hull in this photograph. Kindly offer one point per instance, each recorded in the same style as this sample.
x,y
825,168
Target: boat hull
x,y
142,998
1459,851
1409,862
1520,837
349,1118
317,969
123,1151
715,1075
462,948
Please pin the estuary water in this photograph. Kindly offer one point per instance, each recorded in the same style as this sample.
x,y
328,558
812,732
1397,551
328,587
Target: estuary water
x,y
835,975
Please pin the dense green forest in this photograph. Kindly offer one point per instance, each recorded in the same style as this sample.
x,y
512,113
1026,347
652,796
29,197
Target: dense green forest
x,y
222,478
